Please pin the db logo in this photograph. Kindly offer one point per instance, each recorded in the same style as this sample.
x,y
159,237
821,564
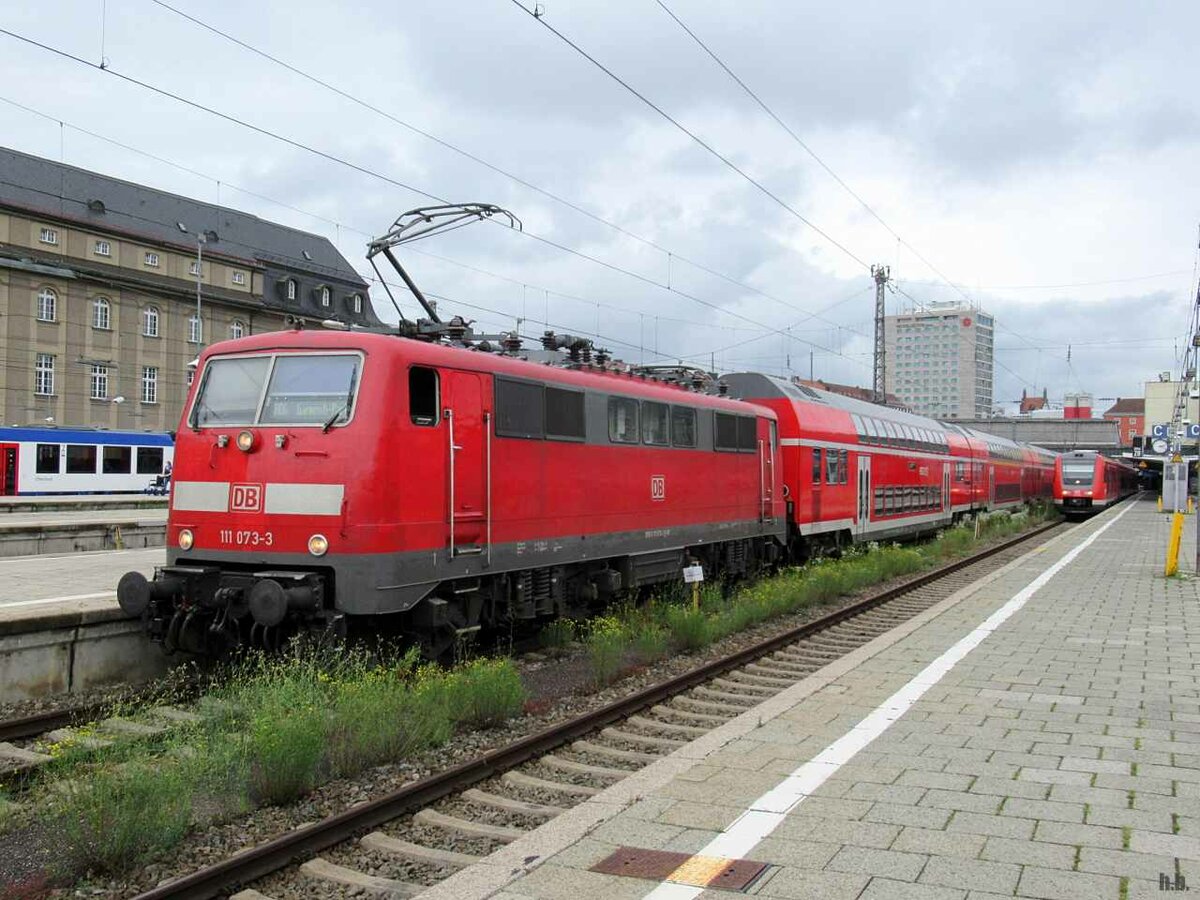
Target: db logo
x,y
246,498
658,487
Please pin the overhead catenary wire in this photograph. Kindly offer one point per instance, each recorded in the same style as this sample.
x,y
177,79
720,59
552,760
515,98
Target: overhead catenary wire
x,y
699,141
367,171
672,254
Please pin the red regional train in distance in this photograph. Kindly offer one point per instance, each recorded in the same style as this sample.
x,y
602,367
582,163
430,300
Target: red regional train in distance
x,y
1086,482
330,478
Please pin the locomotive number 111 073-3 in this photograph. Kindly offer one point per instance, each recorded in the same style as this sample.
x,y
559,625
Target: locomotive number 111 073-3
x,y
237,538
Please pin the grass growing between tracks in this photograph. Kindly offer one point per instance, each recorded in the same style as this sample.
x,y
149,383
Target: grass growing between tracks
x,y
274,729
636,635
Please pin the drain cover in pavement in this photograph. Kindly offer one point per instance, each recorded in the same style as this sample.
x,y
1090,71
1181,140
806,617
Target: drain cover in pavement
x,y
681,868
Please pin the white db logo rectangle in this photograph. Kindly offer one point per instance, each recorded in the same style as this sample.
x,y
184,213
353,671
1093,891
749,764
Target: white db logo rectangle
x,y
246,498
658,487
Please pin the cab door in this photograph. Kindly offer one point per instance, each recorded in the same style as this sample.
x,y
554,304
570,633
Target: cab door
x,y
467,411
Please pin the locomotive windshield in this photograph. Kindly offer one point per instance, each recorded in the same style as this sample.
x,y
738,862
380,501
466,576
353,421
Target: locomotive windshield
x,y
1078,471
307,389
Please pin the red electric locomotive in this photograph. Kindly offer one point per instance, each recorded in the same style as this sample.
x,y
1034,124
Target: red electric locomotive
x,y
1086,482
327,476
856,471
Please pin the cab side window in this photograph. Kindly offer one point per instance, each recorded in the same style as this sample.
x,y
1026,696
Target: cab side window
x,y
423,395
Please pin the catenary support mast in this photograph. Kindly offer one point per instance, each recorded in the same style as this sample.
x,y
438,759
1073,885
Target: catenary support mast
x,y
881,276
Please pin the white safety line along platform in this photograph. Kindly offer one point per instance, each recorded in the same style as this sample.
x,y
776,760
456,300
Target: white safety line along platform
x,y
1036,735
51,582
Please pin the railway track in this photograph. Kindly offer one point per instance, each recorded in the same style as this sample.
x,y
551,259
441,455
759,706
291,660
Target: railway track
x,y
408,840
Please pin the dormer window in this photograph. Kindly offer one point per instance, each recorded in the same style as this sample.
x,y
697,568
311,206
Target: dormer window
x,y
48,236
326,296
291,289
151,259
356,303
103,248
239,277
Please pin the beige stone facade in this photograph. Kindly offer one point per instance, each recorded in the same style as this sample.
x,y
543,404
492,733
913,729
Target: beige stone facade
x,y
128,335
98,281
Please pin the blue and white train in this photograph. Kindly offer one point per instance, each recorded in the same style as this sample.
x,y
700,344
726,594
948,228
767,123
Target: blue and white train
x,y
79,461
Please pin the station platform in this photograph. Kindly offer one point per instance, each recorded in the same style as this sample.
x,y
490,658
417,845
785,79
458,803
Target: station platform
x,y
64,530
22,503
37,586
1035,735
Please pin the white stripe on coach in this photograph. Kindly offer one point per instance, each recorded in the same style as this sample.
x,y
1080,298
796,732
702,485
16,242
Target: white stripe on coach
x,y
767,812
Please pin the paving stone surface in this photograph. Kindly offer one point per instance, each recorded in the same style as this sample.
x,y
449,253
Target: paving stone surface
x,y
1059,759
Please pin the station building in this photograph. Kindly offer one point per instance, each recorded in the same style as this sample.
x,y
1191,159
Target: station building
x,y
98,284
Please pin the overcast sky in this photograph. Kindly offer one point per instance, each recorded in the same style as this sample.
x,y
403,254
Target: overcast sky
x,y
1042,159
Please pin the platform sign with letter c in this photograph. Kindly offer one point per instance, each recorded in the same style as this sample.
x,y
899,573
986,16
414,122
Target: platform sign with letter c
x,y
1160,431
1193,431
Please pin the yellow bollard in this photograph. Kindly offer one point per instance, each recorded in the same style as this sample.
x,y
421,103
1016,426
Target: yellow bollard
x,y
1173,547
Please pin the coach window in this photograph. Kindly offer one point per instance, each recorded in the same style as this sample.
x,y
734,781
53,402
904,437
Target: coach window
x,y
683,426
656,419
520,409
564,415
872,431
843,466
117,460
831,466
149,460
960,472
622,420
81,459
423,395
725,434
47,459
816,465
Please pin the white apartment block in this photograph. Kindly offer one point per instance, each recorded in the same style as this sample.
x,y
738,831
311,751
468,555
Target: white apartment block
x,y
939,360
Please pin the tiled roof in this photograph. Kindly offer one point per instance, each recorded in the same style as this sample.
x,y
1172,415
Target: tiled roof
x,y
104,203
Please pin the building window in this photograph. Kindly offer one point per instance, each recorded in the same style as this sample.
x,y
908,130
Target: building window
x,y
102,248
99,382
150,321
237,329
101,313
194,330
356,303
47,306
149,384
48,236
325,296
291,289
194,268
151,259
43,382
239,277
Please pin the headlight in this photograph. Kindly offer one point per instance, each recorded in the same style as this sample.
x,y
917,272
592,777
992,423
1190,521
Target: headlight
x,y
186,539
245,441
318,545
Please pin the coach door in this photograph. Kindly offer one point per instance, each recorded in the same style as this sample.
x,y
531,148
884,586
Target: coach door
x,y
8,469
467,412
863,510
766,473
